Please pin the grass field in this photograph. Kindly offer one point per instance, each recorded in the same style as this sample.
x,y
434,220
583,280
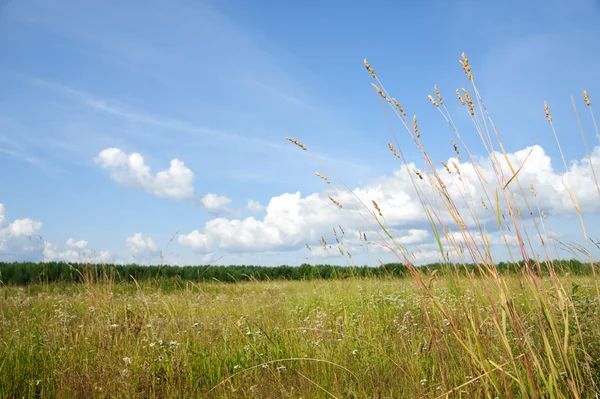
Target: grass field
x,y
450,334
366,338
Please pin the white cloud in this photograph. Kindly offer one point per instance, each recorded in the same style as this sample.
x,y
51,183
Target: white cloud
x,y
176,182
19,239
81,244
138,244
292,220
215,204
255,206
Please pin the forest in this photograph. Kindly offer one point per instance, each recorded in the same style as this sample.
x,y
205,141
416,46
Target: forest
x,y
22,273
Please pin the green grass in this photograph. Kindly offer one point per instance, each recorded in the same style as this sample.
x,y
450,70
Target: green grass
x,y
353,338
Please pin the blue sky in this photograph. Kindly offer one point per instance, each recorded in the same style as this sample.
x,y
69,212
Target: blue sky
x,y
218,85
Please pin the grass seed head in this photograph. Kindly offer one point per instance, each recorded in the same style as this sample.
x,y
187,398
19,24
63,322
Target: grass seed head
x,y
586,98
438,95
484,204
369,68
456,167
433,100
455,148
323,177
416,127
418,174
547,110
532,188
469,102
377,208
447,168
399,107
299,144
324,243
335,202
460,98
466,66
381,93
393,150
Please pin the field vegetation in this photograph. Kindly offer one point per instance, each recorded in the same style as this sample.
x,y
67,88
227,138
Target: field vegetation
x,y
467,327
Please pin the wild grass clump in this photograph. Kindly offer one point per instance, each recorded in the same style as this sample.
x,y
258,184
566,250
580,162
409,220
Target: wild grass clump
x,y
542,350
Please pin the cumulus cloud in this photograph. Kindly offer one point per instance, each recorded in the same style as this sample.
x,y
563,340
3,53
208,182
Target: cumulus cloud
x,y
81,244
130,170
255,206
138,244
52,252
19,239
215,204
291,220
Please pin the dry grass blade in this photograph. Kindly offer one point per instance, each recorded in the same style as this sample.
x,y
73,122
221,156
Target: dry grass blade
x,y
518,170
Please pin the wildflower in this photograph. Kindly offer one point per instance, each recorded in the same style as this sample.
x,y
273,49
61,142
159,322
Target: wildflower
x,y
114,325
237,366
355,352
127,361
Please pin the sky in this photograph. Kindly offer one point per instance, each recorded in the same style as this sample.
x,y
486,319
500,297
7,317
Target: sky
x,y
155,131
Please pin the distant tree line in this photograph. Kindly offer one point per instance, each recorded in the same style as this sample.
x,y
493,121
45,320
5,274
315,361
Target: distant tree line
x,y
21,273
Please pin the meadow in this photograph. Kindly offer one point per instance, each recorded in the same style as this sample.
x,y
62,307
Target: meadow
x,y
359,337
467,328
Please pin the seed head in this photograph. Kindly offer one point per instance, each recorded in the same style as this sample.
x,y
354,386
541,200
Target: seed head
x,y
483,203
393,150
466,66
547,110
364,236
456,167
433,100
323,242
586,98
299,144
447,168
307,246
460,98
400,109
438,95
416,126
377,208
469,102
323,177
544,215
335,202
533,191
455,148
418,174
381,93
342,230
368,66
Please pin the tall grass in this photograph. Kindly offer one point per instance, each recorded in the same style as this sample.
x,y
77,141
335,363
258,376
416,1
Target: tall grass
x,y
542,354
